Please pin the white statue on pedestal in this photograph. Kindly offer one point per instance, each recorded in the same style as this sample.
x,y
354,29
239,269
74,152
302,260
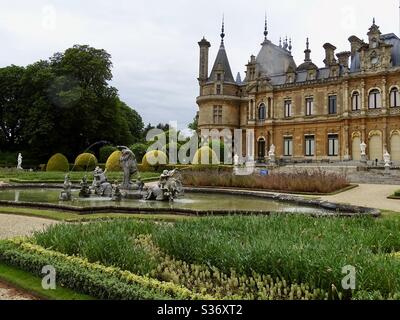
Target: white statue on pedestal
x,y
363,148
271,152
19,165
386,158
236,160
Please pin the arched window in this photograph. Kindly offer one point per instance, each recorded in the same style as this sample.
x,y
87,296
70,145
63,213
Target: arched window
x,y
375,99
394,98
355,101
261,112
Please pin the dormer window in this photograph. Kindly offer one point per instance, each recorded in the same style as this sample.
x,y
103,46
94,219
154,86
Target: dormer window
x,y
219,77
374,44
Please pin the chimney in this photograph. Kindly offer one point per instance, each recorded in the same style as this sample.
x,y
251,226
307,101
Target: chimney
x,y
203,68
344,58
355,44
329,54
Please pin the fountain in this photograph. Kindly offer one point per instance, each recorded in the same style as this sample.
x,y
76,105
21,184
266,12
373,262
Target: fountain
x,y
168,188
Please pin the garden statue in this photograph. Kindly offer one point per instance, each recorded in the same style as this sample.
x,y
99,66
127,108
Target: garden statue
x,y
85,190
100,185
168,188
117,195
236,160
66,194
387,159
129,167
271,155
363,148
19,165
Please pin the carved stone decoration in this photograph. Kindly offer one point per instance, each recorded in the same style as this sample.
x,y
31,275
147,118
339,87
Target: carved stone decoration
x,y
169,187
129,166
66,194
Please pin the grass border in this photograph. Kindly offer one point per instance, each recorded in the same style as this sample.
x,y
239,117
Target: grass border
x,y
31,285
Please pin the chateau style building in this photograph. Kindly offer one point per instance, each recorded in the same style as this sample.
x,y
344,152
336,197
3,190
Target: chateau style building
x,y
309,113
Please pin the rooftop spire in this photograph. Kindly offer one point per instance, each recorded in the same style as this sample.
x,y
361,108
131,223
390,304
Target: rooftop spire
x,y
307,51
265,28
223,30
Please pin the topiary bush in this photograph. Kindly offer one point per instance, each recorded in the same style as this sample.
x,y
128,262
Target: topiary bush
x,y
58,162
105,152
86,162
139,150
112,164
205,156
154,160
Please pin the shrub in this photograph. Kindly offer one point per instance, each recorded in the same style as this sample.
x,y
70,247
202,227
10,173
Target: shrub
x,y
397,193
58,162
205,156
139,150
154,160
86,161
105,152
301,181
112,164
91,278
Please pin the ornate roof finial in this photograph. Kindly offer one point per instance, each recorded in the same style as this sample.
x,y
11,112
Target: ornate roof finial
x,y
373,20
223,29
280,42
290,45
307,52
265,28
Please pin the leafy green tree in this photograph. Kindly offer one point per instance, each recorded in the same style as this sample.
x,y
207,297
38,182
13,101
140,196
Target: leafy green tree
x,y
12,108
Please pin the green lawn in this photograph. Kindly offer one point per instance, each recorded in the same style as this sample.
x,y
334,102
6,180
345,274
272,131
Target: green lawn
x,y
32,284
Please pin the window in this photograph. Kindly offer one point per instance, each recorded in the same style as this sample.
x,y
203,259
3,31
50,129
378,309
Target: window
x,y
218,77
332,104
288,146
288,108
261,112
355,101
217,112
309,106
394,98
218,89
374,99
310,146
333,145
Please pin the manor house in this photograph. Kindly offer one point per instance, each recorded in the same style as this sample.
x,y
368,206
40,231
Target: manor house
x,y
309,113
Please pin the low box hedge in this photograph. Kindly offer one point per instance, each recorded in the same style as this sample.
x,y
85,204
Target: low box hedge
x,y
108,283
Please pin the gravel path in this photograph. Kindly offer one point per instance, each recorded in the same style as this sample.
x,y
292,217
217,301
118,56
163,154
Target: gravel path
x,y
9,293
369,195
16,226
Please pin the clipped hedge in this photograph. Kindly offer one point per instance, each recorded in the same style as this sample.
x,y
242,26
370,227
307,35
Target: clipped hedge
x,y
94,279
105,152
86,162
205,156
112,164
154,160
58,162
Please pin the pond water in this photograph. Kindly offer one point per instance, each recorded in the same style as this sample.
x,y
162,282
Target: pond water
x,y
194,201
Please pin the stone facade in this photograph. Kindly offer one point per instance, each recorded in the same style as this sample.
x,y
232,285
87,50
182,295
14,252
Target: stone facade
x,y
309,113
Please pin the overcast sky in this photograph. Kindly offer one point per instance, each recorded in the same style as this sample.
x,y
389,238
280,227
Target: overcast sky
x,y
153,43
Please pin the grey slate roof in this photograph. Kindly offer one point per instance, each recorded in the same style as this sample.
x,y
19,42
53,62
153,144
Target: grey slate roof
x,y
273,60
222,60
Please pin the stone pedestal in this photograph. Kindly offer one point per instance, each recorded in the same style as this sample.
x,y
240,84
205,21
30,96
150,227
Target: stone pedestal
x,y
272,160
364,159
387,169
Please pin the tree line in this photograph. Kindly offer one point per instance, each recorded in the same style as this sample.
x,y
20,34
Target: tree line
x,y
64,104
